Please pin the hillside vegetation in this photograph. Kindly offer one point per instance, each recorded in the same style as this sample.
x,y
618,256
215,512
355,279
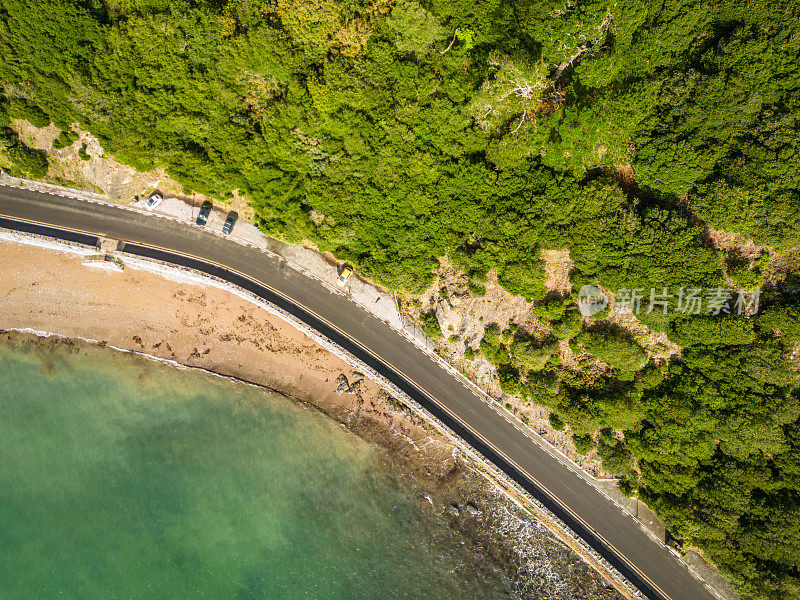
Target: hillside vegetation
x,y
393,132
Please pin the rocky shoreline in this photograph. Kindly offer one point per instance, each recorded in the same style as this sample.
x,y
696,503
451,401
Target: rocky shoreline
x,y
210,329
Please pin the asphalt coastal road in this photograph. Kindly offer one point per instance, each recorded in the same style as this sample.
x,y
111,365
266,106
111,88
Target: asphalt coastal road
x,y
613,534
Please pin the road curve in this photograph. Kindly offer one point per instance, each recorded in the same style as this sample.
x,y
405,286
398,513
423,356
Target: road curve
x,y
615,535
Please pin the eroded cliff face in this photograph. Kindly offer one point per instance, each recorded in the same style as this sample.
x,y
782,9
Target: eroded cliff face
x,y
98,171
464,309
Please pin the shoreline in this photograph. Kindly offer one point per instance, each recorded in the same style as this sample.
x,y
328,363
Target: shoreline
x,y
20,334
496,532
151,314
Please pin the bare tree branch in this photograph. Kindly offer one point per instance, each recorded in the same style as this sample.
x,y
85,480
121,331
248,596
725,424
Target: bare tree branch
x,y
451,43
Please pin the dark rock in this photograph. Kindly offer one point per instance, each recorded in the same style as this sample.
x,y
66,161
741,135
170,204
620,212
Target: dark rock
x,y
473,510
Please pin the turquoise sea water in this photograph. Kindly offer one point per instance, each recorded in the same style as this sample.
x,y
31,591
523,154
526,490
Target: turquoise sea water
x,y
124,478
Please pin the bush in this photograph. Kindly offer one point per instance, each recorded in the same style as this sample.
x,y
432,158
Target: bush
x,y
509,378
22,109
615,348
430,325
556,422
783,321
492,346
650,377
5,118
544,388
497,355
475,288
532,355
525,279
712,330
492,334
552,310
64,139
615,456
568,325
746,278
83,154
21,161
583,443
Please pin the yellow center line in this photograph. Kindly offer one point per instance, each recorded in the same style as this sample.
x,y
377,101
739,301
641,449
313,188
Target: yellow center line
x,y
387,363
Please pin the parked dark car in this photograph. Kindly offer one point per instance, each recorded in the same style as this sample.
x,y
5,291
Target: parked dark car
x,y
205,211
230,221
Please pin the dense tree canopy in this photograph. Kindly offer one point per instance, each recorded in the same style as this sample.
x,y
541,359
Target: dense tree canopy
x,y
393,132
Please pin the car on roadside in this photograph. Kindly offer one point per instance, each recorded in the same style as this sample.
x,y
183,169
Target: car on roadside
x,y
230,221
344,276
205,211
153,201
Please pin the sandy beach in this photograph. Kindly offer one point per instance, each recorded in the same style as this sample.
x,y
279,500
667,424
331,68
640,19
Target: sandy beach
x,y
202,326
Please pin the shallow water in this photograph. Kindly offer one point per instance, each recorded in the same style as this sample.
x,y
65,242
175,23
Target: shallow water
x,y
125,478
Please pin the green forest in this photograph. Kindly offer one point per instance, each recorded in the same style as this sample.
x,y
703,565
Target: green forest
x,y
393,132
